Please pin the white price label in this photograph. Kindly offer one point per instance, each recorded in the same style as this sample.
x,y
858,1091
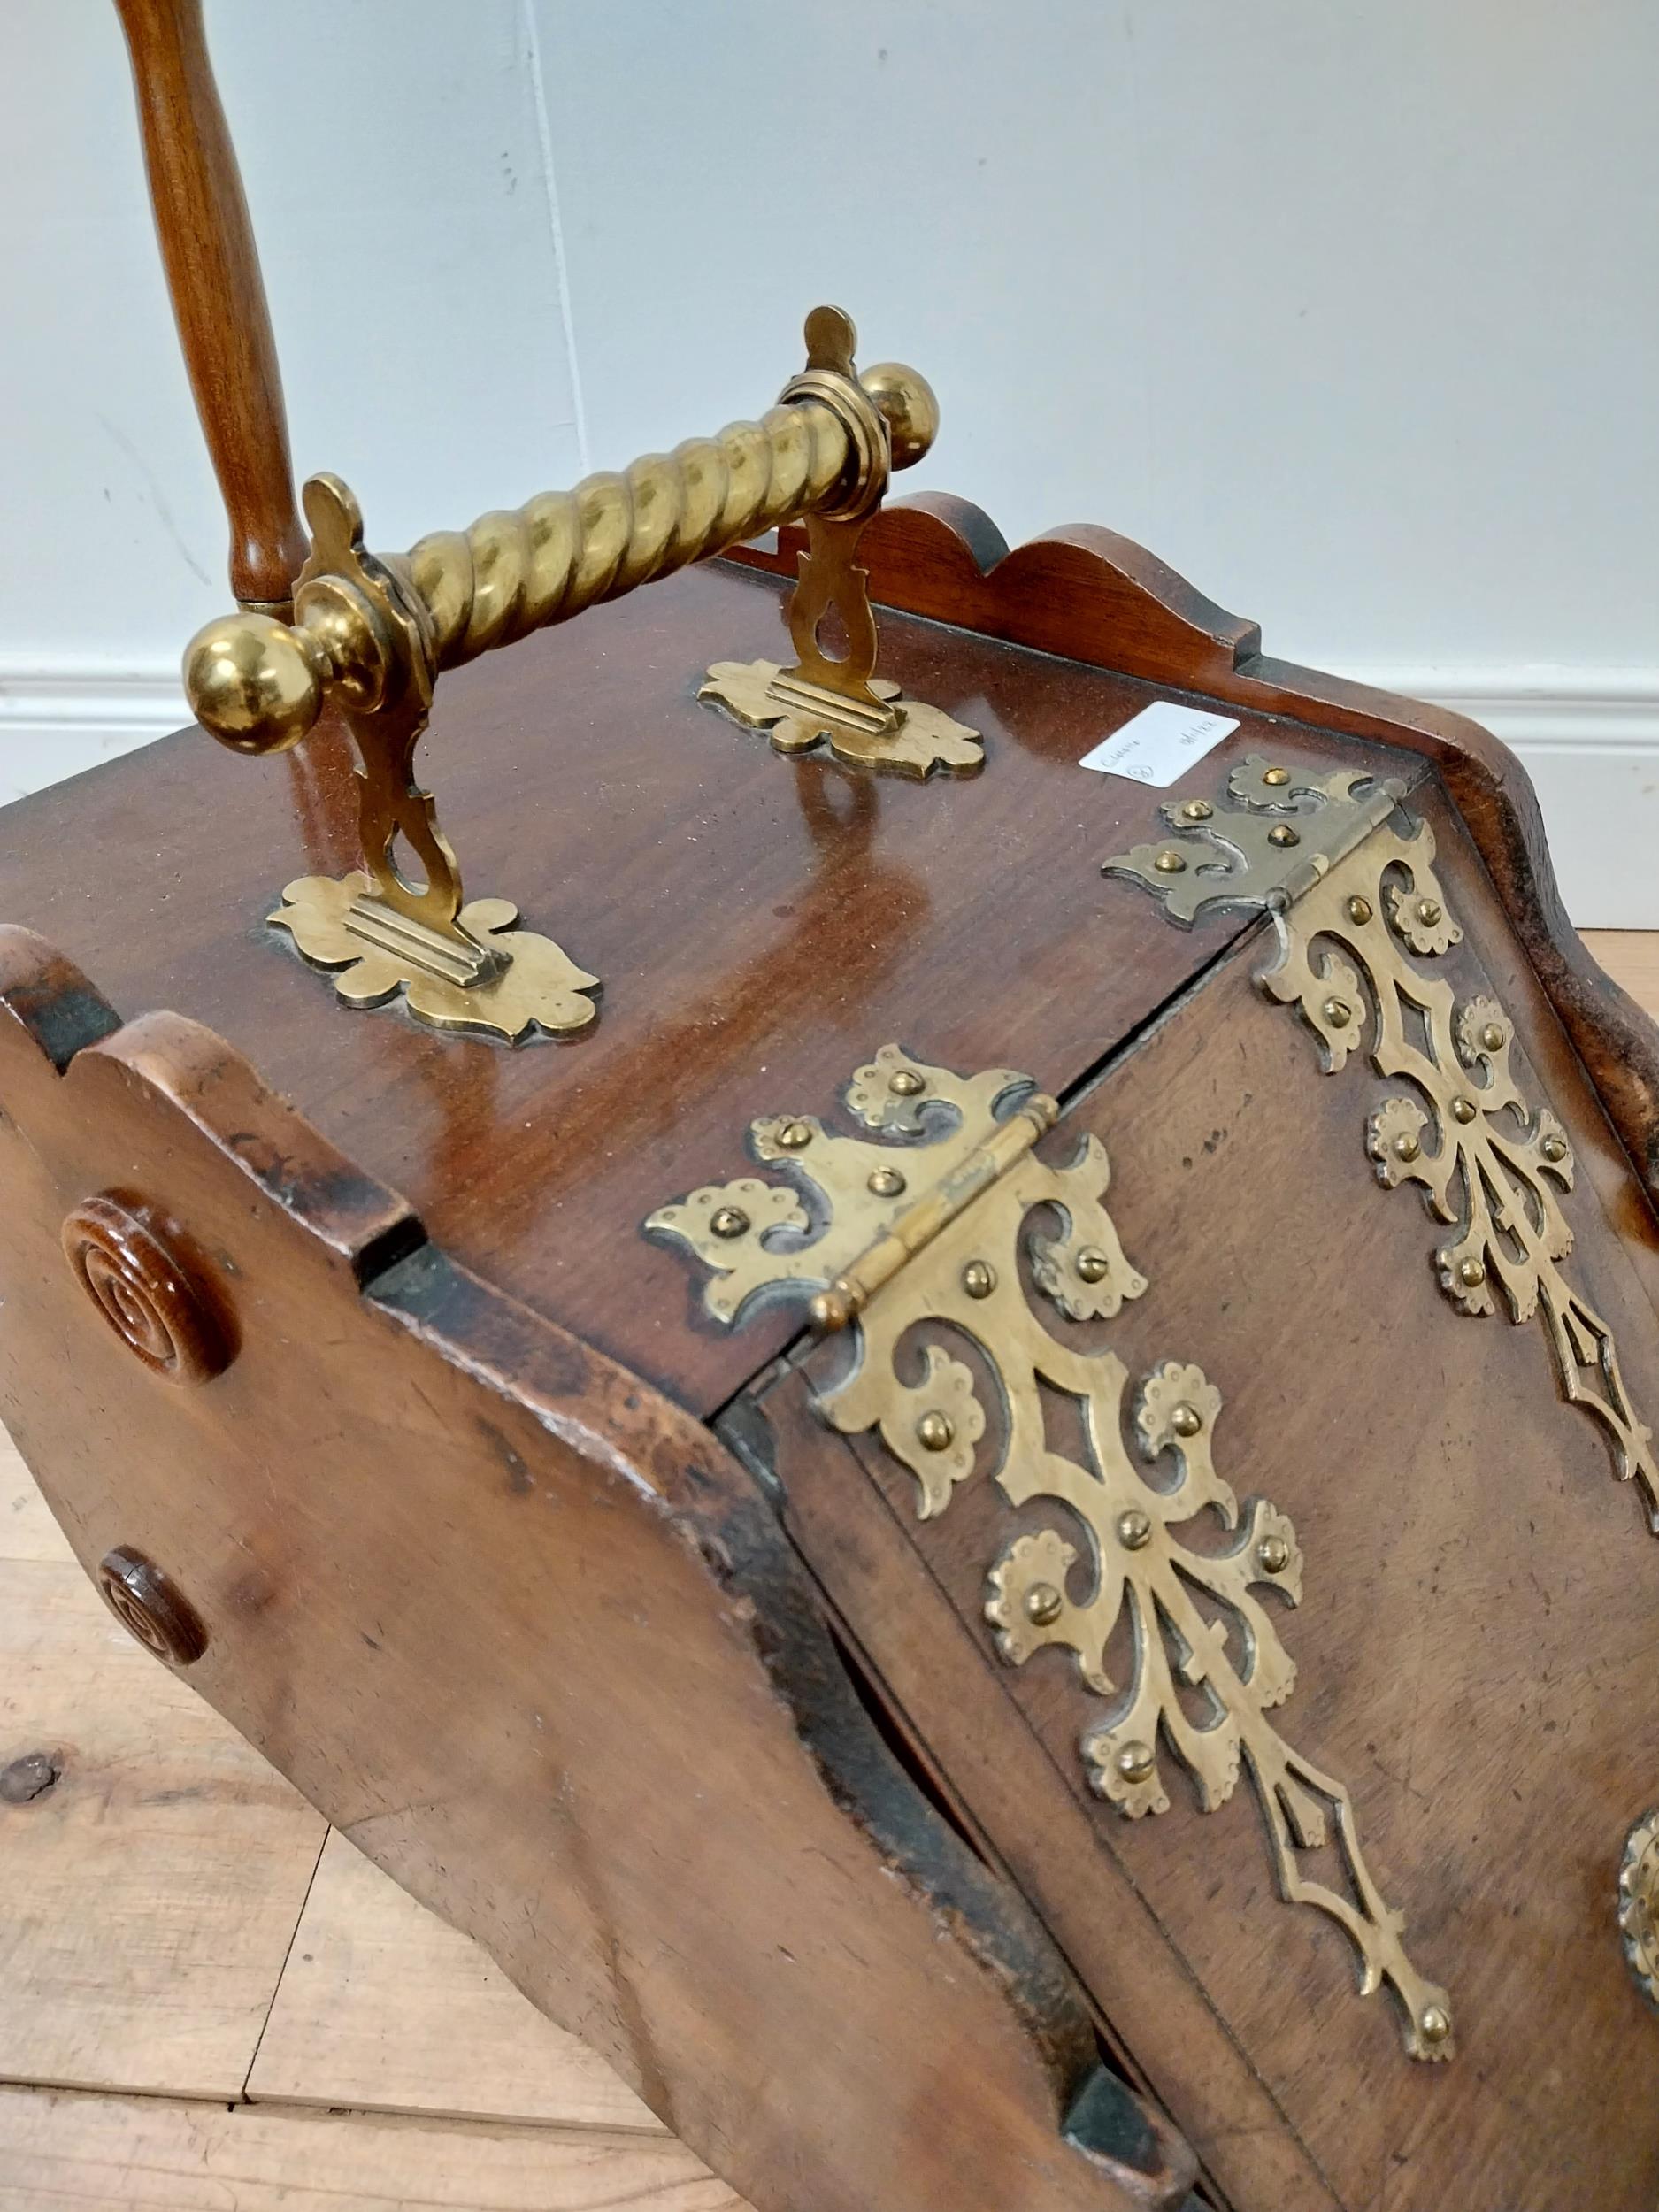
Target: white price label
x,y
1159,743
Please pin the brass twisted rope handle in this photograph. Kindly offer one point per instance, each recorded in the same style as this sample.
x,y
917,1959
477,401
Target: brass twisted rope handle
x,y
259,685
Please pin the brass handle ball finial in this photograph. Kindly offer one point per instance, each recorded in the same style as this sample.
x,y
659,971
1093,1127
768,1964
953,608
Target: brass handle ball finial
x,y
254,683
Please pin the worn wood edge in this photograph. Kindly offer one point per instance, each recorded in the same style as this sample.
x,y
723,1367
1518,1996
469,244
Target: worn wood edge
x,y
655,1454
738,1539
1091,595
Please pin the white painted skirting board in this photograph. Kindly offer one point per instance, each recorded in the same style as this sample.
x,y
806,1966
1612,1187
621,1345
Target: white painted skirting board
x,y
1589,739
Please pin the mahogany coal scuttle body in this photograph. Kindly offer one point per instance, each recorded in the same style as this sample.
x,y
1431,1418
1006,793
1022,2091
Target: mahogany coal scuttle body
x,y
976,1758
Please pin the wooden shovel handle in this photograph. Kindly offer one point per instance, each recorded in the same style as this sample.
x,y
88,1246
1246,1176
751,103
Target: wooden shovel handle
x,y
217,297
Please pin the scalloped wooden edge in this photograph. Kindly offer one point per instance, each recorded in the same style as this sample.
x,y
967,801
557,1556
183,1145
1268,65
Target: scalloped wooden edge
x,y
1087,595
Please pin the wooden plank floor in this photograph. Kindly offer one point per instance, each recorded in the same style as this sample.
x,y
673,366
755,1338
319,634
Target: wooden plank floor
x,y
208,1999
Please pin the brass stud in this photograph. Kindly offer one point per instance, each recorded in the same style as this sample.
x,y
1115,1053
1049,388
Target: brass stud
x,y
1186,1420
935,1431
1135,1529
794,1136
728,1221
1276,776
1554,1149
1281,834
1435,2023
1272,1554
1492,1038
1338,1013
885,1182
1134,1761
1197,811
905,1083
1093,1264
1428,912
1406,1147
1471,1273
979,1279
1463,1109
1043,1604
1359,911
1169,862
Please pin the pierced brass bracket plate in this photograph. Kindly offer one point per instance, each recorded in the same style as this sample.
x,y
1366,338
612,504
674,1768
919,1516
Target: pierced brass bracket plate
x,y
925,1226
912,740
1488,1163
841,703
512,985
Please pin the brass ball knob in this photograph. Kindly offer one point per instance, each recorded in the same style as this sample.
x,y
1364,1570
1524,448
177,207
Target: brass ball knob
x,y
905,402
254,683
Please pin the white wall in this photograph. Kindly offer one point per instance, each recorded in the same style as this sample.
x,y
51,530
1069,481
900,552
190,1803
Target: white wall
x,y
1346,310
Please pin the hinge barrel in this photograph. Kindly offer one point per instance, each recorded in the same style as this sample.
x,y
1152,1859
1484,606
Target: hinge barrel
x,y
916,1227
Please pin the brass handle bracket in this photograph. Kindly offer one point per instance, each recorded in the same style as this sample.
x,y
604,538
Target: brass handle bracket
x,y
841,703
371,635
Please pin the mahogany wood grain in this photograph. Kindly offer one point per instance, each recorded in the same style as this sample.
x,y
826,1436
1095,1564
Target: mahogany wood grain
x,y
761,926
1092,595
218,293
530,1637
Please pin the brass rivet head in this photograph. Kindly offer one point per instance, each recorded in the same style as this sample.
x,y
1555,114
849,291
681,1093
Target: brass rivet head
x,y
1554,1149
885,1182
1134,1761
1406,1145
1272,1554
1186,1420
935,1430
1093,1264
1492,1038
1435,2023
1135,1529
1359,911
1471,1273
794,1136
1338,1013
1463,1109
905,1083
728,1221
1282,834
1428,912
1197,811
1276,776
979,1279
1043,1604
1169,862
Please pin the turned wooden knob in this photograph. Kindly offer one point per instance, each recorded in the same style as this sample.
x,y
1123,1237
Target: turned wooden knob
x,y
149,1605
145,1290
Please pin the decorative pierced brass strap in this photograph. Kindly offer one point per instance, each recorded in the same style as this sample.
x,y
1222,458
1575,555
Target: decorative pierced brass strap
x,y
954,1269
1487,1161
371,635
821,699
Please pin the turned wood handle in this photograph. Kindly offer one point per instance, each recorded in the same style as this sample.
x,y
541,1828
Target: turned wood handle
x,y
259,685
217,297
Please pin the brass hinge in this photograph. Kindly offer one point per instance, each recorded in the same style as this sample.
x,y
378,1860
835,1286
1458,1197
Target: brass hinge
x,y
885,1201
945,1235
1283,832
